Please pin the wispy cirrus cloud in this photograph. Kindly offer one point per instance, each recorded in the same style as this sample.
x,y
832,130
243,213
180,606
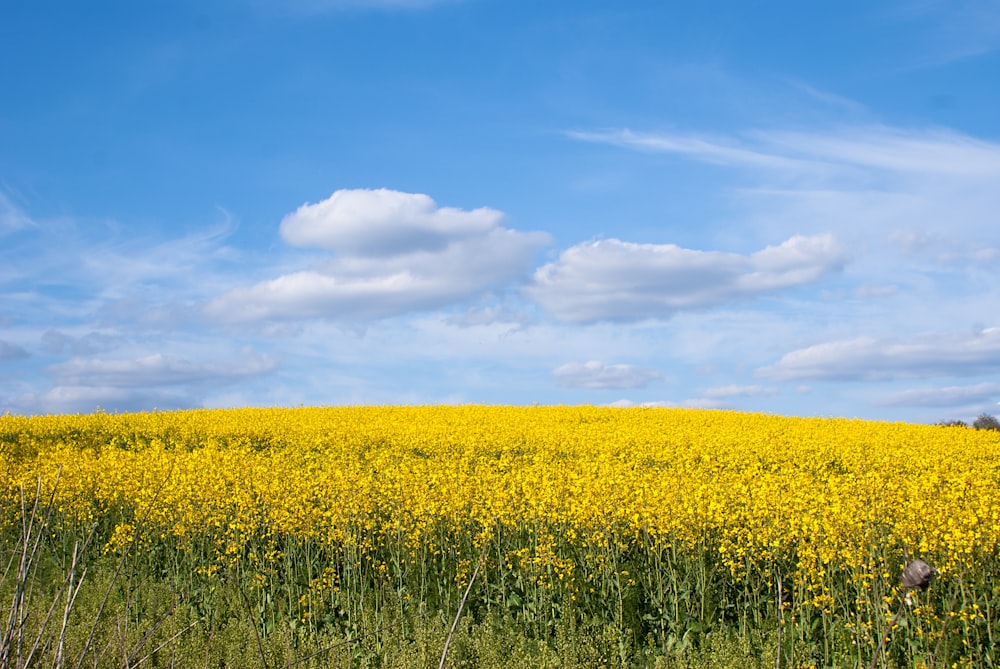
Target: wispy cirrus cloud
x,y
870,183
929,152
12,217
721,150
950,31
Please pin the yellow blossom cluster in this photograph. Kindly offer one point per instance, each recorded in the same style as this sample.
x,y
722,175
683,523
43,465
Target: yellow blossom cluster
x,y
578,488
756,487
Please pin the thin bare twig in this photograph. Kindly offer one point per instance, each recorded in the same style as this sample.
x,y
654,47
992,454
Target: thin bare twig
x,y
33,526
885,637
71,586
163,645
461,604
148,635
253,623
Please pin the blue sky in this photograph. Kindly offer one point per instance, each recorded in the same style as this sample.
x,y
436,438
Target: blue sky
x,y
784,207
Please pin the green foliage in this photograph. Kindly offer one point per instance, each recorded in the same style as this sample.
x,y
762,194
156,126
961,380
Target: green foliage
x,y
648,609
624,597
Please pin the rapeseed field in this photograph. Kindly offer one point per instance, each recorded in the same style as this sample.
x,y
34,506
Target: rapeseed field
x,y
654,537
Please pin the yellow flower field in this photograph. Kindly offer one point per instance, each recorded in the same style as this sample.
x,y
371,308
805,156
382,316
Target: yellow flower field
x,y
596,509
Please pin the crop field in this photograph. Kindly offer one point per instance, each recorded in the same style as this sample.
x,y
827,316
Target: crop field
x,y
549,536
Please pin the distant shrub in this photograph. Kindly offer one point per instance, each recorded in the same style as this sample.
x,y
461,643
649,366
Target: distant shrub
x,y
986,422
953,423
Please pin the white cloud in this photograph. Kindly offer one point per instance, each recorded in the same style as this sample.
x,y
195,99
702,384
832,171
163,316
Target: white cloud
x,y
84,399
917,208
138,383
597,375
623,281
718,150
628,404
937,355
929,152
392,253
156,370
839,102
713,398
382,222
699,403
950,396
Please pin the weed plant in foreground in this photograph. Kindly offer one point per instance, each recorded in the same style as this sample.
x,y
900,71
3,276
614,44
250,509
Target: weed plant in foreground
x,y
605,537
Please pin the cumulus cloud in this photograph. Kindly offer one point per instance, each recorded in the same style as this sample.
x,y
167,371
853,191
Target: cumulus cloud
x,y
382,222
390,253
950,396
867,358
623,281
597,375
